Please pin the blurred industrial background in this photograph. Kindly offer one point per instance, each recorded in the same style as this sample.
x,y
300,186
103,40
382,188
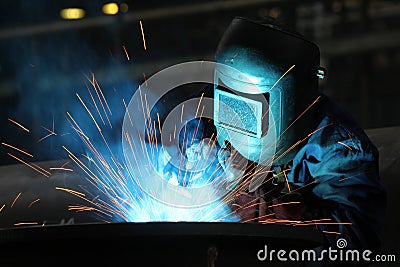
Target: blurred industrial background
x,y
46,50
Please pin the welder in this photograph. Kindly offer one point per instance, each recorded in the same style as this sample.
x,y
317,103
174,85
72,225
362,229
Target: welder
x,y
324,165
323,169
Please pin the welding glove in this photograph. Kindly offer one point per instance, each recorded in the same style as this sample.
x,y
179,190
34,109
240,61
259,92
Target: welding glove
x,y
202,163
288,206
233,165
198,164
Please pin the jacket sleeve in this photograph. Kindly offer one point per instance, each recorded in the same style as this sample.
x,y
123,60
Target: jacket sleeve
x,y
341,169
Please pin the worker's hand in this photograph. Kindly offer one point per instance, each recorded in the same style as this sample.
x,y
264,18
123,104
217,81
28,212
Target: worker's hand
x,y
246,206
233,165
288,207
197,165
251,206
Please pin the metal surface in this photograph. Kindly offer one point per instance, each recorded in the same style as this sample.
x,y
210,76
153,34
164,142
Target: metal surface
x,y
164,244
150,244
20,186
70,238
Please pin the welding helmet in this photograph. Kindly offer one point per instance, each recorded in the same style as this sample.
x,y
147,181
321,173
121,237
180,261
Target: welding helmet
x,y
270,93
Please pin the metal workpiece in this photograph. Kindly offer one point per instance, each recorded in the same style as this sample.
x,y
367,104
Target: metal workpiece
x,y
151,244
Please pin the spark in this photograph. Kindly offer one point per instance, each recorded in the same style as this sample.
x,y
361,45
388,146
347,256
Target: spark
x,y
317,220
44,137
134,154
81,208
76,127
302,187
184,137
301,115
100,95
351,139
248,205
52,129
145,79
280,78
26,223
79,163
18,124
330,232
147,122
285,203
286,179
258,218
20,150
108,176
349,147
116,197
88,111
327,223
302,140
33,202
51,132
65,164
101,99
174,131
155,134
95,104
126,52
277,221
159,123
144,40
183,106
2,207
31,165
345,178
71,191
15,199
198,123
62,169
75,123
127,112
198,105
201,115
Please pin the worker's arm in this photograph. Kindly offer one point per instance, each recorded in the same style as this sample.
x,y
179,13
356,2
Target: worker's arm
x,y
340,172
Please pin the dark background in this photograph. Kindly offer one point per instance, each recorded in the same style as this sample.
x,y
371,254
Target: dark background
x,y
44,59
